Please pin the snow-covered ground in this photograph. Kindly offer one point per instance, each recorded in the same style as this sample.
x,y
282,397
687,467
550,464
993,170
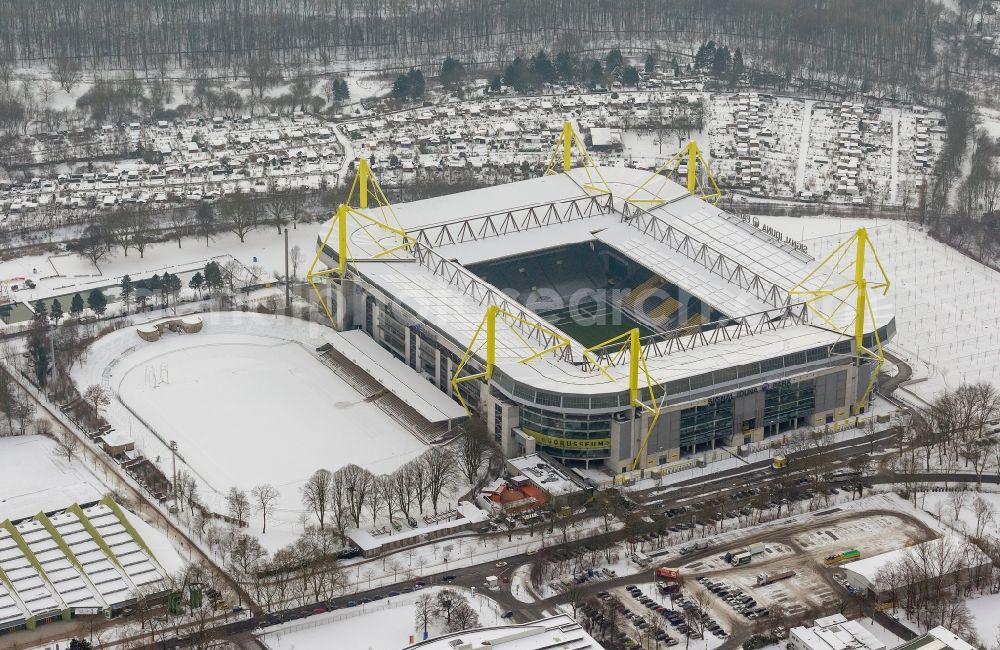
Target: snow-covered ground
x,y
970,515
248,402
386,625
947,305
67,273
35,480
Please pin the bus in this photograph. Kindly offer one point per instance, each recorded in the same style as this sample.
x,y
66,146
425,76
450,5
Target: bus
x,y
843,556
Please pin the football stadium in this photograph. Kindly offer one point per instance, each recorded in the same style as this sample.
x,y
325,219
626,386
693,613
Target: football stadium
x,y
609,317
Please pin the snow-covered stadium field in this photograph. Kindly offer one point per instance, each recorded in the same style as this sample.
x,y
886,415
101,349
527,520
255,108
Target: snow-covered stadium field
x,y
247,401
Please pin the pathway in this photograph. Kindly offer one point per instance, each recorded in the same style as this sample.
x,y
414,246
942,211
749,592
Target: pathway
x,y
800,173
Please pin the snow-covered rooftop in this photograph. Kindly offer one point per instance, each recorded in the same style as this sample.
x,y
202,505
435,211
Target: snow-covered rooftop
x,y
466,514
560,631
544,475
397,377
869,567
836,633
720,258
83,559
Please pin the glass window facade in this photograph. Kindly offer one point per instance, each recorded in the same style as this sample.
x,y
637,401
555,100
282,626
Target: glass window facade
x,y
789,401
704,424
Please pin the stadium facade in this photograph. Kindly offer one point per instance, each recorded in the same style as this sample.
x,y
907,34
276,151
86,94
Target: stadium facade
x,y
502,297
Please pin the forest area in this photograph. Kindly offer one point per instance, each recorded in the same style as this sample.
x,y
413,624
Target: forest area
x,y
883,44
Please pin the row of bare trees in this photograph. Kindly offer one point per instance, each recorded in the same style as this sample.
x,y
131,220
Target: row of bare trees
x,y
352,494
931,581
956,433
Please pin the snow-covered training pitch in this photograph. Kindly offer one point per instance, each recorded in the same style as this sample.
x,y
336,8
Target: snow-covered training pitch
x,y
247,401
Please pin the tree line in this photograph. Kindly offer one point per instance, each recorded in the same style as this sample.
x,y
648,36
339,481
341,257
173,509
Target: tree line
x,y
862,39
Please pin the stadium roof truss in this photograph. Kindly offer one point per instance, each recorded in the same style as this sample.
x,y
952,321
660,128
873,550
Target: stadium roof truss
x,y
687,338
701,253
506,222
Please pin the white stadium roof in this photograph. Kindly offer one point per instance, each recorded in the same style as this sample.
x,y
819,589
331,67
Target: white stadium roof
x,y
711,254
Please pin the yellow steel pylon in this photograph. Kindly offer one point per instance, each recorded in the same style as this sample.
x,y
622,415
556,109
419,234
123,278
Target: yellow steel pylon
x,y
827,284
703,185
636,363
485,335
568,142
364,188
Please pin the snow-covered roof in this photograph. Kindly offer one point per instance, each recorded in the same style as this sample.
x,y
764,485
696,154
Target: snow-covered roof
x,y
544,475
869,567
938,638
117,439
466,514
560,631
603,137
401,380
85,559
836,633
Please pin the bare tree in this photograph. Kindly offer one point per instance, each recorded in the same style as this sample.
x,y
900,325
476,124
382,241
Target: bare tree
x,y
97,397
358,483
473,453
440,466
238,504
66,71
66,446
264,497
43,427
295,260
317,493
240,213
984,513
957,500
402,493
424,612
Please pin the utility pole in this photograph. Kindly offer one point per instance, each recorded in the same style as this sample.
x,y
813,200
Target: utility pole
x,y
173,453
288,299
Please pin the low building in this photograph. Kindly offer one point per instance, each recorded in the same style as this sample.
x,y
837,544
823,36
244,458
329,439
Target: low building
x,y
560,631
536,476
833,633
950,558
372,543
83,560
939,638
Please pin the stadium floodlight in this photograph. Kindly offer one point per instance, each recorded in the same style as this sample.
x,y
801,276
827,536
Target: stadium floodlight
x,y
701,185
568,142
364,191
485,336
826,292
632,347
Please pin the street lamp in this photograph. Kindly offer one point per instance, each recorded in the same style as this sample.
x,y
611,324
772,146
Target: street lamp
x,y
173,453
